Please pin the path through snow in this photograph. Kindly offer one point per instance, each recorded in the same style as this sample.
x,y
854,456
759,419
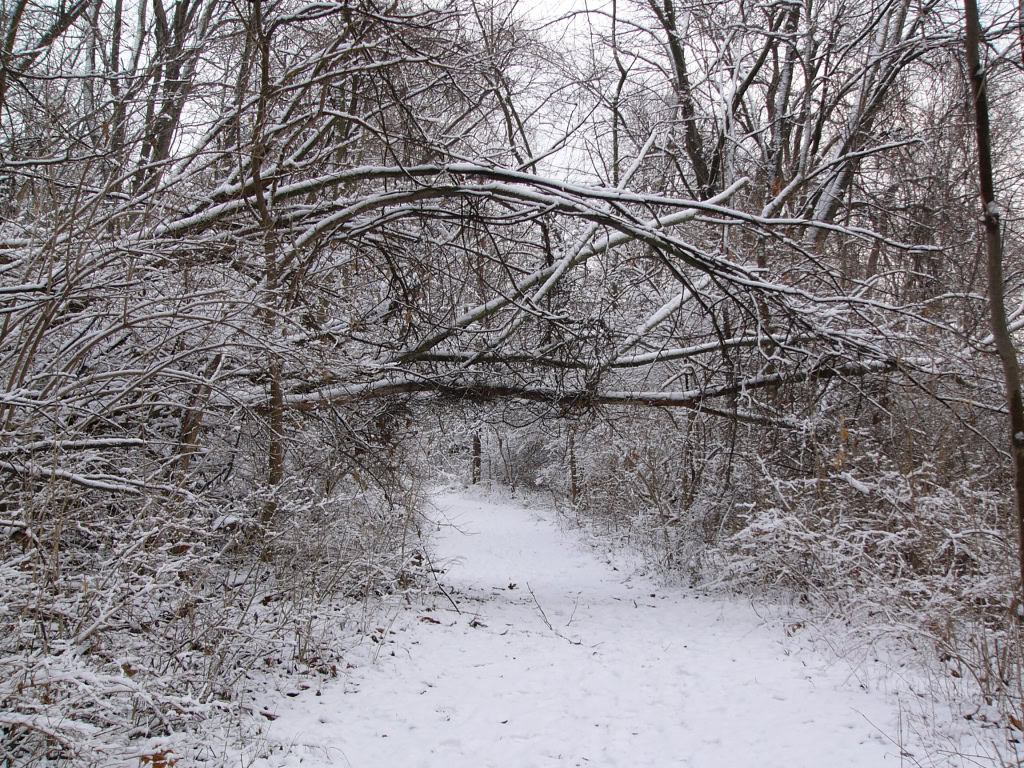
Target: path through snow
x,y
627,674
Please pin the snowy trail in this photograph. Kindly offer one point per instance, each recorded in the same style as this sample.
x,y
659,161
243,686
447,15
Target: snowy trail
x,y
625,675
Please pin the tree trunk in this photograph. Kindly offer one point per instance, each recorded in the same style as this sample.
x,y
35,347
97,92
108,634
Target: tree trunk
x,y
271,272
574,475
1000,330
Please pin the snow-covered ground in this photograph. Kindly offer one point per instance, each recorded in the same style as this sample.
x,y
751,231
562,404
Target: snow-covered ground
x,y
546,654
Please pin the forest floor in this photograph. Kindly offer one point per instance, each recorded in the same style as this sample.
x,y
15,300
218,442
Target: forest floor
x,y
549,652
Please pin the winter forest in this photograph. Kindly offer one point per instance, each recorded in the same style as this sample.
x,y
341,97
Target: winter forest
x,y
715,279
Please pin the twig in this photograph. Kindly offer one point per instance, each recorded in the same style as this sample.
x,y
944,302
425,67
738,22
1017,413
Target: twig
x,y
437,581
539,608
575,605
545,617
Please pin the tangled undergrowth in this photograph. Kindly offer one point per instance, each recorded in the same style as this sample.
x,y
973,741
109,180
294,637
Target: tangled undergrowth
x,y
145,634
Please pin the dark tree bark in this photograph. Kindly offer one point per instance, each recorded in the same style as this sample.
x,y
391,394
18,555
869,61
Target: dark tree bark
x,y
993,242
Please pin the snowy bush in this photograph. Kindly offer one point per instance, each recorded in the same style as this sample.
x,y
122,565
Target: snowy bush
x,y
129,637
662,484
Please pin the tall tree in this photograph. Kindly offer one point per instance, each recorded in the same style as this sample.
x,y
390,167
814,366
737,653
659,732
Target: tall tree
x,y
994,248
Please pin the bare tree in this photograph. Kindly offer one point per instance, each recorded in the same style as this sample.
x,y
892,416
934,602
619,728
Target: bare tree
x,y
994,247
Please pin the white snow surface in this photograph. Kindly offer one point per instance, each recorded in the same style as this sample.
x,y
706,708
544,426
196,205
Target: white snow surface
x,y
629,673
